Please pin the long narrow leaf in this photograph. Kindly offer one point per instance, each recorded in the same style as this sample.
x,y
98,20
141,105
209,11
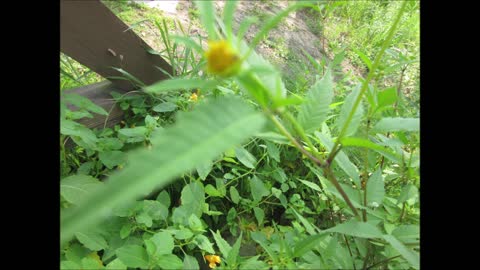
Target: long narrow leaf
x,y
206,132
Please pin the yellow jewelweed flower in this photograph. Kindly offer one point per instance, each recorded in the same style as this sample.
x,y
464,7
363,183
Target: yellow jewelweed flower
x,y
212,260
221,58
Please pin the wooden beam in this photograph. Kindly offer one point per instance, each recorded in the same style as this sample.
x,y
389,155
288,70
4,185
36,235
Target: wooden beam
x,y
99,93
92,35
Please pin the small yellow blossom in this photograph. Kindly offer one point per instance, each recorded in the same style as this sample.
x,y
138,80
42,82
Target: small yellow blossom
x,y
213,260
194,97
221,58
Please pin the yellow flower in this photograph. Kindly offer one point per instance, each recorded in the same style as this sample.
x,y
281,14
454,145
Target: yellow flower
x,y
194,97
221,58
213,260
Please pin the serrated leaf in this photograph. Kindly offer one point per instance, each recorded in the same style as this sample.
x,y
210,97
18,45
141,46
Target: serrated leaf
x,y
258,189
412,257
259,214
341,159
311,185
93,241
112,158
222,245
375,189
76,188
204,243
245,157
315,108
190,263
163,242
272,150
357,229
133,256
233,254
307,244
219,124
234,195
391,124
360,142
165,107
345,111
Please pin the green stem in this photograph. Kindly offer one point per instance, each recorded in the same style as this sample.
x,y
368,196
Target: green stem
x,y
368,79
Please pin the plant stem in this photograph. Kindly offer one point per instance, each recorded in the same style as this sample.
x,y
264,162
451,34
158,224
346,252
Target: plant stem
x,y
350,251
368,79
382,262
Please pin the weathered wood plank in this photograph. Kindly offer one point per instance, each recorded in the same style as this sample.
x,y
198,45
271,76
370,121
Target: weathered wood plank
x,y
95,37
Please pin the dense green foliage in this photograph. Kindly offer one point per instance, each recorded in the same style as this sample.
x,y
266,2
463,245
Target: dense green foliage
x,y
247,168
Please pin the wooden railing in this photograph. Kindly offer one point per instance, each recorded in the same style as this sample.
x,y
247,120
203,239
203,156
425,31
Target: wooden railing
x,y
95,37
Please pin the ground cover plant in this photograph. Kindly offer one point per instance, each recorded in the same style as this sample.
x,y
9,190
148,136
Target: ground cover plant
x,y
226,165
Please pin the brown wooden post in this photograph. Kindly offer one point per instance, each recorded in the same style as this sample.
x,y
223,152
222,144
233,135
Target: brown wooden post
x,y
92,35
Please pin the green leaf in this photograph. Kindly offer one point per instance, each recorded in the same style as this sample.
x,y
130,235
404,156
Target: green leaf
x,y
375,189
222,245
72,128
93,241
409,191
183,233
272,150
125,231
345,111
258,189
313,112
207,17
204,243
234,195
212,191
341,159
364,58
112,158
195,223
155,209
219,124
311,185
391,124
307,244
69,265
165,107
133,256
91,263
136,132
357,229
228,13
253,263
193,198
233,254
412,257
407,233
144,218
180,84
262,241
169,261
189,42
109,144
190,263
116,265
84,103
76,188
163,242
259,214
204,169
387,97
308,226
360,142
245,157
164,198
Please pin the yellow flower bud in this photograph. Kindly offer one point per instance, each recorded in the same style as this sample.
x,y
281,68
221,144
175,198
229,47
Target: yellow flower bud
x,y
221,58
